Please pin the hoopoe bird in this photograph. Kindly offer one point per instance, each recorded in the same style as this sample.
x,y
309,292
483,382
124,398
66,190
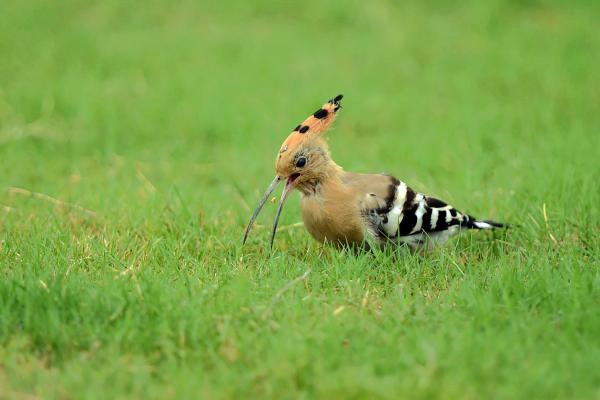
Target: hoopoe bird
x,y
346,208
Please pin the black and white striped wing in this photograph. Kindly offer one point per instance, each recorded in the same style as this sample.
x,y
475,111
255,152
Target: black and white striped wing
x,y
414,218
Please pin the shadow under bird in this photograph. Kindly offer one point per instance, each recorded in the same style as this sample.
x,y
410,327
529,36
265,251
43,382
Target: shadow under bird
x,y
346,208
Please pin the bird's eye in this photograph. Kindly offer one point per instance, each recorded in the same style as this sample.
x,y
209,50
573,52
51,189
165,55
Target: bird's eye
x,y
301,162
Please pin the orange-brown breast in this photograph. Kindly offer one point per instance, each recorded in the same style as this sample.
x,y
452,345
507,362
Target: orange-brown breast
x,y
333,214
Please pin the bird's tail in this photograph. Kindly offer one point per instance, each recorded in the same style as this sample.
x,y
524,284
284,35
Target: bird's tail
x,y
473,223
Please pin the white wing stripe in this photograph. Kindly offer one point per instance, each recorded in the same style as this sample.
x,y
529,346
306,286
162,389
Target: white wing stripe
x,y
392,225
401,194
434,218
448,216
419,214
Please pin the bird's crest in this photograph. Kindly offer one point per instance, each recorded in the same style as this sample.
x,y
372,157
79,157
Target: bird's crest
x,y
314,125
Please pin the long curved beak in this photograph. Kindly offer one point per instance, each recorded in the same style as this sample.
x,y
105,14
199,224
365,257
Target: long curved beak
x,y
261,204
284,195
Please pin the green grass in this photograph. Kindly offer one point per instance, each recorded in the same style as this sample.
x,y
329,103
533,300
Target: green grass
x,y
164,119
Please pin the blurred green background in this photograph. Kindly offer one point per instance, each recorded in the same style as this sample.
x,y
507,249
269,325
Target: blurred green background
x,y
163,120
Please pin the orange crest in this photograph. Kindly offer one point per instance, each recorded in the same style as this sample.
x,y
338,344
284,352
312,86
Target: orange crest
x,y
313,125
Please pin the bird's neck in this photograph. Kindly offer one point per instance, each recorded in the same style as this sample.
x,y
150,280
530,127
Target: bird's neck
x,y
329,174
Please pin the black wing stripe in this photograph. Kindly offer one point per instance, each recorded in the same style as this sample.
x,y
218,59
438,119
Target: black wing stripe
x,y
441,221
409,221
426,219
410,198
435,203
409,218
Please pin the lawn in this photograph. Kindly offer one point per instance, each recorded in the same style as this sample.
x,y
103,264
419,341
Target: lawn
x,y
136,138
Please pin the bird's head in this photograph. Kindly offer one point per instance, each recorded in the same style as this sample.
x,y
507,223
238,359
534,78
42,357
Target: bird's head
x,y
303,159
